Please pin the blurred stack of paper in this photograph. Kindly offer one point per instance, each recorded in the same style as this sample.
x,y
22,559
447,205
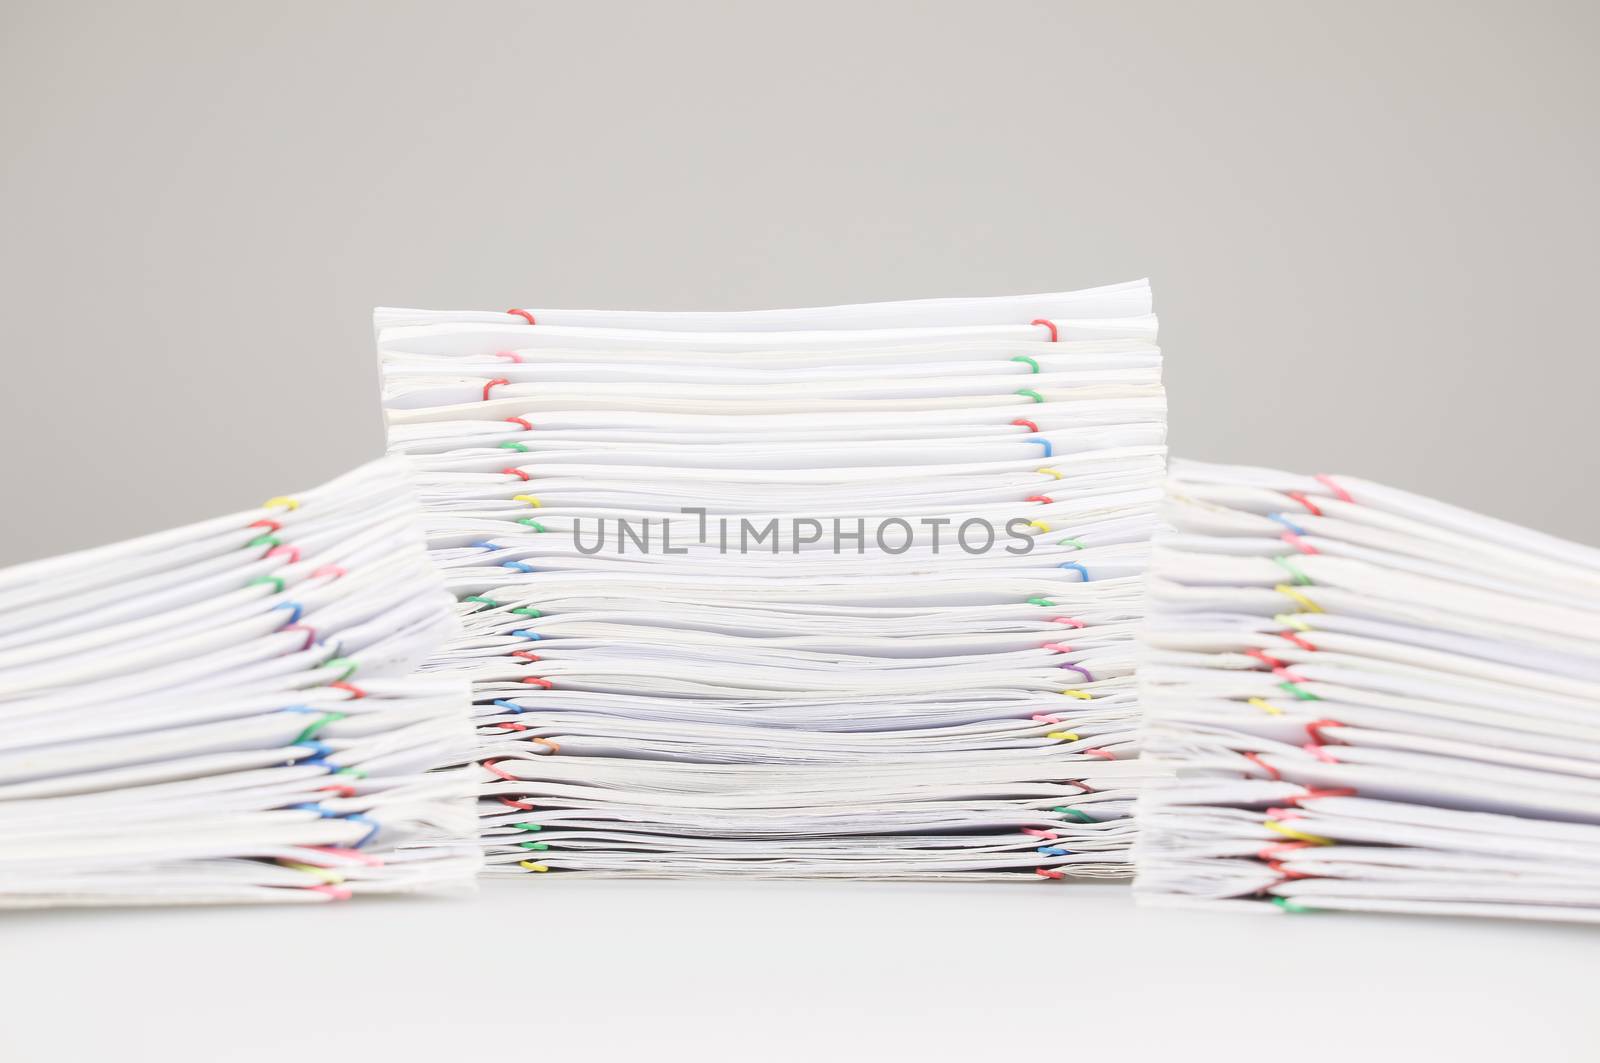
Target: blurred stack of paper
x,y
846,591
222,712
1372,700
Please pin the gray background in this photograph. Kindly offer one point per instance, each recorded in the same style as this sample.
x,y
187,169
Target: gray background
x,y
1370,226
1372,236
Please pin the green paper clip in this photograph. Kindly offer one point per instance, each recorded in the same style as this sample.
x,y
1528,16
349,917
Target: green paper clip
x,y
311,731
346,663
1291,906
1290,567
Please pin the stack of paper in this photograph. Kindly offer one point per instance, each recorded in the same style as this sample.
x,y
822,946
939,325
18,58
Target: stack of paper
x,y
1372,700
846,591
223,713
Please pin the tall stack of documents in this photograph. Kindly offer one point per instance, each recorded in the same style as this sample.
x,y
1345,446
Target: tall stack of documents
x,y
847,591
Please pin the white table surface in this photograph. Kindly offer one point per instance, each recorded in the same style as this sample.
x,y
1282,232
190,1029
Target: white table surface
x,y
582,970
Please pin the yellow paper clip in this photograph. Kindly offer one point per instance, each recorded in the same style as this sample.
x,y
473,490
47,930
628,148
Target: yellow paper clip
x,y
280,500
1292,620
1297,835
1050,472
1266,706
1080,695
531,866
1065,736
328,875
1041,525
1305,603
534,502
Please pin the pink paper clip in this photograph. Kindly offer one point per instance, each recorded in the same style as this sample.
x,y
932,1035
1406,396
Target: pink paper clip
x,y
1338,492
337,893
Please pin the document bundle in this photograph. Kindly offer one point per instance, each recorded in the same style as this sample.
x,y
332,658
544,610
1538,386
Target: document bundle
x,y
836,592
844,592
226,711
1371,701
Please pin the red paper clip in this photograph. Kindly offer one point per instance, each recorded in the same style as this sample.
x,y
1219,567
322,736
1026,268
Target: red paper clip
x,y
1311,506
1255,758
1314,729
1266,658
493,766
1313,792
1055,336
1279,869
1296,639
528,316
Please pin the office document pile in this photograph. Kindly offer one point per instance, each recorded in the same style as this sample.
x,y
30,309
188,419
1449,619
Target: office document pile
x,y
839,592
885,591
229,711
1372,701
